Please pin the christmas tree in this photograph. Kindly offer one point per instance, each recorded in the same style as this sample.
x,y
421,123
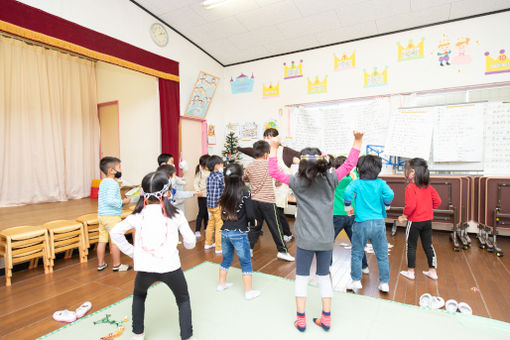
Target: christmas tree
x,y
230,152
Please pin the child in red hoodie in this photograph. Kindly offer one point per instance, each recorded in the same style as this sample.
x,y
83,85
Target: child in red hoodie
x,y
421,199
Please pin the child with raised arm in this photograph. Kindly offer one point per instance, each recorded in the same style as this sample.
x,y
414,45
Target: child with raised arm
x,y
372,196
155,254
341,220
314,188
421,200
237,214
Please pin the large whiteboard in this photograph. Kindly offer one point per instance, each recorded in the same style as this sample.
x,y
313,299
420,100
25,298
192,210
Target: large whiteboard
x,y
329,126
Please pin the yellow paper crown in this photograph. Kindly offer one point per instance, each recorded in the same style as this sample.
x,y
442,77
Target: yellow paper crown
x,y
345,61
375,78
411,51
499,65
318,86
271,90
293,71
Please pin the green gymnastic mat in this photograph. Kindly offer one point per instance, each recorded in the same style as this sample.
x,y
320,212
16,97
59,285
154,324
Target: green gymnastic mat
x,y
228,316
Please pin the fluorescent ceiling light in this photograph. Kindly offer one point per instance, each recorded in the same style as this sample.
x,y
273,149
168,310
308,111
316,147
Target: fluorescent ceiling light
x,y
208,4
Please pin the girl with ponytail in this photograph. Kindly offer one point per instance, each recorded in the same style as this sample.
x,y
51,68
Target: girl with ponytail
x,y
155,254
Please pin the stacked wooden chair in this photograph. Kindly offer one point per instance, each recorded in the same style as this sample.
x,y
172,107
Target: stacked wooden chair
x,y
65,236
19,244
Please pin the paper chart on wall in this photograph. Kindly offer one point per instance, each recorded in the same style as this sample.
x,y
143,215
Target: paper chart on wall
x,y
458,133
410,133
497,139
330,127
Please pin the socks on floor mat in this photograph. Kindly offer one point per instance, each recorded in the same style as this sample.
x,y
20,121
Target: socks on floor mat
x,y
221,288
324,321
300,323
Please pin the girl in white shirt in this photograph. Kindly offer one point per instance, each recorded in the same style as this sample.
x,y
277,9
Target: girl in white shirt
x,y
155,254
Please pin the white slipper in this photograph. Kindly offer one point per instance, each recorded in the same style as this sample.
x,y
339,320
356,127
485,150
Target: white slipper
x,y
464,308
64,315
436,302
425,300
451,306
83,309
408,274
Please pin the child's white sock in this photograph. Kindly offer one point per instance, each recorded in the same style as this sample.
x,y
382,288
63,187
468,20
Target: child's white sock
x,y
221,288
252,294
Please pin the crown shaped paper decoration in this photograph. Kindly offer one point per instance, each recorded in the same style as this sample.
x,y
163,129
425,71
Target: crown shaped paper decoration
x,y
345,62
318,86
270,91
462,41
242,84
375,78
411,51
444,42
293,71
499,65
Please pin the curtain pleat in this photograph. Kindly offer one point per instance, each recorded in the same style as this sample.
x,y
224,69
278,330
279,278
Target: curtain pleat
x,y
49,143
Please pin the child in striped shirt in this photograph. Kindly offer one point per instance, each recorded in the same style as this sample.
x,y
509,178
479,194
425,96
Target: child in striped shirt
x,y
109,209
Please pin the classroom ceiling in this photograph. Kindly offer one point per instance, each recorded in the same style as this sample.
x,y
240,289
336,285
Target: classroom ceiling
x,y
243,30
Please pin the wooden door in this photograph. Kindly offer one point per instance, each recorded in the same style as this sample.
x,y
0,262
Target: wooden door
x,y
109,129
191,147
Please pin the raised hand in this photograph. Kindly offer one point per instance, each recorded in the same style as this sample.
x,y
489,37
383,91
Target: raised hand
x,y
358,135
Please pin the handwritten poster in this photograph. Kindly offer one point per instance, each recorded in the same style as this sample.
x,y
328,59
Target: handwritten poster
x,y
458,133
410,133
497,150
249,131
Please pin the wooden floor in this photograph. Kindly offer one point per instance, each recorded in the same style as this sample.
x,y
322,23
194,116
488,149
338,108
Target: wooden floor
x,y
37,214
474,276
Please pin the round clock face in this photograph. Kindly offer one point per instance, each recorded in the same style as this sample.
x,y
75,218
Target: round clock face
x,y
159,34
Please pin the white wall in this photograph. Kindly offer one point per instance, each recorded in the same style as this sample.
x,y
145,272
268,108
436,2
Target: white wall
x,y
404,77
139,121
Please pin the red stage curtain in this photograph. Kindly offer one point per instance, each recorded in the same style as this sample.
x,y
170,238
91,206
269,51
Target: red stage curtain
x,y
170,117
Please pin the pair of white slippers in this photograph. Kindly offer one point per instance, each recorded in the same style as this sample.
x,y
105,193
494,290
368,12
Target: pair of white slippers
x,y
437,302
70,316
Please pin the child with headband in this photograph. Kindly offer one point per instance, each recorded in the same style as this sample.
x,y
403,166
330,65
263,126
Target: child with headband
x,y
314,188
155,254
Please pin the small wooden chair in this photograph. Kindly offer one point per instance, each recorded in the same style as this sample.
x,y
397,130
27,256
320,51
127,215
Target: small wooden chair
x,y
66,235
90,229
19,244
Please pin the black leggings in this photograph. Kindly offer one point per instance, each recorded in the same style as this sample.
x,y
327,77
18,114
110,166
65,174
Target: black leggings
x,y
267,212
177,283
424,231
283,221
202,213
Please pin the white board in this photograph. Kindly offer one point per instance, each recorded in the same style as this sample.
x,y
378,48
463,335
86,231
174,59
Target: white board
x,y
410,133
458,133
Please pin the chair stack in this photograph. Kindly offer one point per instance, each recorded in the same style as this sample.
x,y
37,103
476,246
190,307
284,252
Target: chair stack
x,y
66,235
19,244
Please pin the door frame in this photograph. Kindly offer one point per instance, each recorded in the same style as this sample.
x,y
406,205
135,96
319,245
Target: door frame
x,y
204,133
99,105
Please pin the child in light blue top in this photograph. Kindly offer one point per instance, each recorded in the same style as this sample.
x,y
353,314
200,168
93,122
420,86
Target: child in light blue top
x,y
372,196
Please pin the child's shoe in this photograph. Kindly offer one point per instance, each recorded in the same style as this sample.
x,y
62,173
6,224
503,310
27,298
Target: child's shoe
x,y
300,323
433,276
221,288
354,285
138,336
218,252
365,270
252,294
122,268
408,274
324,321
209,246
197,234
102,267
285,256
384,287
